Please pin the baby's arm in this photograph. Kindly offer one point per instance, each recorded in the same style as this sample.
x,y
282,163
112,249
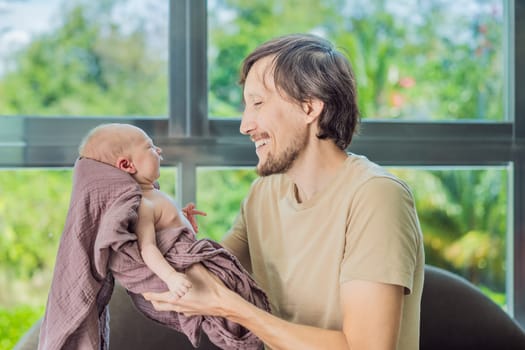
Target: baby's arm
x,y
177,282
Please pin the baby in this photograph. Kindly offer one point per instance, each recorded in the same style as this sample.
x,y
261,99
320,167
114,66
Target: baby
x,y
130,149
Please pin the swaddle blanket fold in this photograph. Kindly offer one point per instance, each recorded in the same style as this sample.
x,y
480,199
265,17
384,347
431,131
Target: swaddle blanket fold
x,y
98,245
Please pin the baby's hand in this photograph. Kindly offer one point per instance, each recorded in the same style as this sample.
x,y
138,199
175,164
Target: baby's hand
x,y
189,212
178,284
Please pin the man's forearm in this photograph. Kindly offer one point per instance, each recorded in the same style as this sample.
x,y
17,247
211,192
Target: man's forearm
x,y
279,334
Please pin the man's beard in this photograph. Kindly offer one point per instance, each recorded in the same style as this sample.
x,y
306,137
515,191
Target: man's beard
x,y
281,164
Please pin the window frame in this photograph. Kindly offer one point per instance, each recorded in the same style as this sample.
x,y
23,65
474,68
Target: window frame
x,y
190,139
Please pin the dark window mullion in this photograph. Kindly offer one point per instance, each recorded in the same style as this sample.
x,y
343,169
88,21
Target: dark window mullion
x,y
188,68
518,104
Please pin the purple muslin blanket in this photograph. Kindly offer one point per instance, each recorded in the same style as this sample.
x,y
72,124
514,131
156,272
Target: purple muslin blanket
x,y
98,245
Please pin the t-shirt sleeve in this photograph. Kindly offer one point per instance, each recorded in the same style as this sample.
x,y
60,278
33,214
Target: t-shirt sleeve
x,y
236,240
383,235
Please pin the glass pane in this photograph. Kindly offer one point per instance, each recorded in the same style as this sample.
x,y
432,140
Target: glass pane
x,y
33,209
168,181
463,215
219,194
84,58
422,60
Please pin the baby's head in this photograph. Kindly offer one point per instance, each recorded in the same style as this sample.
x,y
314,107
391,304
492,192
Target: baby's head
x,y
107,142
124,146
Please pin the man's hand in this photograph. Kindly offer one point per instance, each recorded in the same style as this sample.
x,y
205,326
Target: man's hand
x,y
206,296
189,212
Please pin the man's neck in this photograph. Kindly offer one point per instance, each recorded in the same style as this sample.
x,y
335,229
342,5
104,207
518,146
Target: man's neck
x,y
315,169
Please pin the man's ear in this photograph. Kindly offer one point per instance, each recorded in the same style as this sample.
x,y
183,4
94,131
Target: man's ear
x,y
126,165
313,109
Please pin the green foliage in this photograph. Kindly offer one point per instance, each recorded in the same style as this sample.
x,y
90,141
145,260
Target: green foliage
x,y
33,207
253,23
85,67
15,322
463,218
220,193
406,67
168,180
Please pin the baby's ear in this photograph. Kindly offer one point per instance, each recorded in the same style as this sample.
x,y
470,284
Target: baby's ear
x,y
126,165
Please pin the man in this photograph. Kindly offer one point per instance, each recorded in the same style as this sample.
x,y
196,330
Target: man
x,y
331,237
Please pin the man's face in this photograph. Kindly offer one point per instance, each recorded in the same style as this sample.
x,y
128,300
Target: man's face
x,y
274,123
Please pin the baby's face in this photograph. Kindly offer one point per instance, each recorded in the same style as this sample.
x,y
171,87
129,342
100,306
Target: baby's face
x,y
146,158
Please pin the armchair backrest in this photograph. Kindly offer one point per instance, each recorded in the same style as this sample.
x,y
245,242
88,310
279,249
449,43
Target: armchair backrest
x,y
455,315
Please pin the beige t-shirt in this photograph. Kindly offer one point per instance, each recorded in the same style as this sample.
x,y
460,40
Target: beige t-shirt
x,y
362,226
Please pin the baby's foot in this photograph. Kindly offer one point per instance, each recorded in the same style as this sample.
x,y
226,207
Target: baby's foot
x,y
179,285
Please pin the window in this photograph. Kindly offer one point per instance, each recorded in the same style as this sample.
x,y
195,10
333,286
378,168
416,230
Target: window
x,y
463,215
458,112
84,58
418,60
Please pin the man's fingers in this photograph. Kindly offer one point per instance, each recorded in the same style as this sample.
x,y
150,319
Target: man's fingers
x,y
161,306
157,297
162,301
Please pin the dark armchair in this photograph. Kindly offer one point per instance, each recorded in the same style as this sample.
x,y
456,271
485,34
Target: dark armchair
x,y
454,315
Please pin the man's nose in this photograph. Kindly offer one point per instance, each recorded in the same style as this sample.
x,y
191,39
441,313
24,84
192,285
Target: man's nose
x,y
247,123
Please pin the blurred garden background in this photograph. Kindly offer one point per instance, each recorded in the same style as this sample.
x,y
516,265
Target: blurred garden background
x,y
414,60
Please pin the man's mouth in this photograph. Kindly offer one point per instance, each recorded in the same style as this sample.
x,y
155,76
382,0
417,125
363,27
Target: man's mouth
x,y
260,143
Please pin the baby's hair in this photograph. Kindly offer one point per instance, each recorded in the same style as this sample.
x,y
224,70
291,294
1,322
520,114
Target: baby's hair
x,y
107,142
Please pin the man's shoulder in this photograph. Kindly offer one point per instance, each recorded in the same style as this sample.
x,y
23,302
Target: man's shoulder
x,y
362,167
363,171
